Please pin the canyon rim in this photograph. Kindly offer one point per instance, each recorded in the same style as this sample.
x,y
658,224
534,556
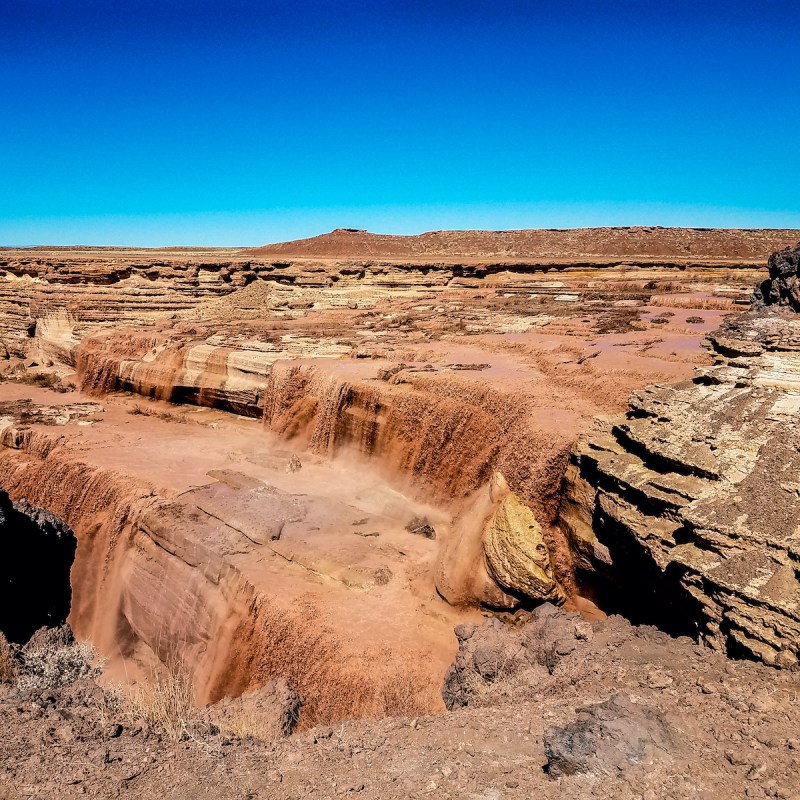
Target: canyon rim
x,y
274,481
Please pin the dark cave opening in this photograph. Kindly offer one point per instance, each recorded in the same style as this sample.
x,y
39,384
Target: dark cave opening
x,y
38,551
637,588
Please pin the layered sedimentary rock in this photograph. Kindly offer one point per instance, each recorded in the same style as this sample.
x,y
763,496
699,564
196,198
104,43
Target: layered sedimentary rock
x,y
218,570
690,506
515,548
440,371
103,286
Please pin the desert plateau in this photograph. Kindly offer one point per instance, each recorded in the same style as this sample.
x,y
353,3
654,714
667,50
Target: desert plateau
x,y
399,400
466,514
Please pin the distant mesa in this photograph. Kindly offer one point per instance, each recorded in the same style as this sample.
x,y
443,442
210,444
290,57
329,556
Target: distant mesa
x,y
590,244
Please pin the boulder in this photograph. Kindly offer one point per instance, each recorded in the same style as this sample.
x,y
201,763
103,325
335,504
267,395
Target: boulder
x,y
783,285
608,737
495,555
515,549
266,713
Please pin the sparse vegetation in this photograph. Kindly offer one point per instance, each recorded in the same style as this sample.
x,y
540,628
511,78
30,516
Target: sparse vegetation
x,y
47,380
494,682
167,702
56,665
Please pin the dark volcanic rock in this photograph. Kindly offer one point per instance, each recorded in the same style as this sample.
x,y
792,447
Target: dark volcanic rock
x,y
496,651
783,285
608,737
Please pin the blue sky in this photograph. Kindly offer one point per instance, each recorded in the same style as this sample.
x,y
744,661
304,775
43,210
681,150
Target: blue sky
x,y
241,122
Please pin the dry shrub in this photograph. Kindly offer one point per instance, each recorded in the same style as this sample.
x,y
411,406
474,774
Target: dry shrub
x,y
111,703
8,664
665,286
718,303
57,666
500,682
167,703
249,725
47,380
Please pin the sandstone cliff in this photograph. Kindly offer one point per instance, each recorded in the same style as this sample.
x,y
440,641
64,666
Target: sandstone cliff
x,y
690,505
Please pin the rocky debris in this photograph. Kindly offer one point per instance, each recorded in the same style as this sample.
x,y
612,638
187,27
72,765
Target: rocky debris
x,y
607,737
616,705
420,526
687,510
606,723
496,651
782,288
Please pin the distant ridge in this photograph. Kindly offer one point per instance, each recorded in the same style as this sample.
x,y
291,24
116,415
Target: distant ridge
x,y
648,242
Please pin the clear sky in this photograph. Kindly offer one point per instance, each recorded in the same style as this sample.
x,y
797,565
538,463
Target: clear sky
x,y
154,122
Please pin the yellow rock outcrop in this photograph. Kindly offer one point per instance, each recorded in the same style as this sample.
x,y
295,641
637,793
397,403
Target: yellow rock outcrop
x,y
514,546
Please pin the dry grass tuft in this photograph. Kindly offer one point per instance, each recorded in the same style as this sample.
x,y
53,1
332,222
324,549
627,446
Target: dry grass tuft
x,y
167,416
47,380
167,703
499,682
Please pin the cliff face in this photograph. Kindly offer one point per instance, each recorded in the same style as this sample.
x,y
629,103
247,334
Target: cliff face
x,y
426,376
690,505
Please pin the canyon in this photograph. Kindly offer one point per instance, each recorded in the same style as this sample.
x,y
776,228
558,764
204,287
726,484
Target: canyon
x,y
309,462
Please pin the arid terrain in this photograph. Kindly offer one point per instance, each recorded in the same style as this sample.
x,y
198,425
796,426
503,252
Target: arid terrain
x,y
266,486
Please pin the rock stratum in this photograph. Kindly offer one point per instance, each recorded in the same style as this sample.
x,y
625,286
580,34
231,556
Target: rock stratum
x,y
691,500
